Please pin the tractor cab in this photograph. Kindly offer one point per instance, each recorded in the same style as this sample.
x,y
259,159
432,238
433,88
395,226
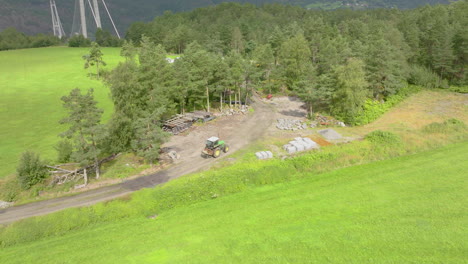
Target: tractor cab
x,y
213,147
212,142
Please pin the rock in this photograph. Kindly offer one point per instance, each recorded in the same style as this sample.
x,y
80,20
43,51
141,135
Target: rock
x,y
80,186
174,155
4,204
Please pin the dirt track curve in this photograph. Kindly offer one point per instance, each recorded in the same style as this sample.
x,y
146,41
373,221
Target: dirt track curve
x,y
249,130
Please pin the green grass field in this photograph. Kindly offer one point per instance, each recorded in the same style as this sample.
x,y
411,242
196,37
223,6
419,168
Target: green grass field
x,y
32,83
410,209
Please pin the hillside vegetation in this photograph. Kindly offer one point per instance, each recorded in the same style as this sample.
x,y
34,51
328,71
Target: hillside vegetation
x,y
32,16
33,81
404,210
343,63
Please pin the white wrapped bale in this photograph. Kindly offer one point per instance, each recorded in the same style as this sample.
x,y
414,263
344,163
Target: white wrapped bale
x,y
269,154
298,146
262,155
259,155
307,145
312,143
291,149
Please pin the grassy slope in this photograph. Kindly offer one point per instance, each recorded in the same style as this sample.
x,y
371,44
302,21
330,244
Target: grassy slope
x,y
405,210
32,83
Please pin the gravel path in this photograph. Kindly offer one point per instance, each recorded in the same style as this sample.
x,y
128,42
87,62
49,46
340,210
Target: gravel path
x,y
238,133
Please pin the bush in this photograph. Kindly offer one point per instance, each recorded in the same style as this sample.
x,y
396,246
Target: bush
x,y
9,190
79,41
450,125
31,170
383,137
374,109
64,151
422,76
459,89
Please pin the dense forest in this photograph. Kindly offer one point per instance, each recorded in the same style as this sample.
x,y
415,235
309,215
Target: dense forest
x,y
335,61
33,16
341,63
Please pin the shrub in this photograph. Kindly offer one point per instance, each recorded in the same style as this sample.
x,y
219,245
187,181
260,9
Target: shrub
x,y
459,89
9,190
31,170
79,41
374,109
64,150
383,137
447,126
422,76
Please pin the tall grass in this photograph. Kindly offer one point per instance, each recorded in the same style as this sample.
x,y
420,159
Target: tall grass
x,y
404,210
215,183
32,83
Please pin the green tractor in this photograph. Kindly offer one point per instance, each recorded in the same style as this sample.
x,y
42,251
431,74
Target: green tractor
x,y
213,147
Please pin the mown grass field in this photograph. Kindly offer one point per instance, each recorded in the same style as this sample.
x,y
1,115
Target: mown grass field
x,y
32,83
411,209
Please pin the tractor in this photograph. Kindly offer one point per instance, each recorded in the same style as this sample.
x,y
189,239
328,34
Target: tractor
x,y
213,147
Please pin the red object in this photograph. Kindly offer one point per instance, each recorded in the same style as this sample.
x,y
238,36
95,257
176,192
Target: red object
x,y
269,96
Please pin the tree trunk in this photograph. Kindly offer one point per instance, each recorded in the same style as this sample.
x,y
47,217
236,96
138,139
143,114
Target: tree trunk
x,y
98,171
230,100
208,98
246,96
221,101
85,177
235,99
183,106
240,103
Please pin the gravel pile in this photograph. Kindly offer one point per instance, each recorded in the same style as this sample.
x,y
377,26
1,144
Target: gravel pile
x,y
290,124
330,134
231,111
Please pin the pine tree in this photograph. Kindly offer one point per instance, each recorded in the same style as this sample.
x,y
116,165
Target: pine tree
x,y
94,58
350,90
128,51
384,65
84,128
199,62
149,135
295,60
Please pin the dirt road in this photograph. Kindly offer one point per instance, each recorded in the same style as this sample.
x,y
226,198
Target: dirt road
x,y
238,134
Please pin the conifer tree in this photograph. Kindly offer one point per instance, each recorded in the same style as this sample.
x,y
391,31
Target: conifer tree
x,y
350,90
94,58
84,128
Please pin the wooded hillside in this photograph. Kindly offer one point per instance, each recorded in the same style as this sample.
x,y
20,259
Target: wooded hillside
x,y
33,16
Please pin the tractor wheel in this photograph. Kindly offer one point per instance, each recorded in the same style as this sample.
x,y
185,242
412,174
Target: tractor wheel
x,y
226,148
216,153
